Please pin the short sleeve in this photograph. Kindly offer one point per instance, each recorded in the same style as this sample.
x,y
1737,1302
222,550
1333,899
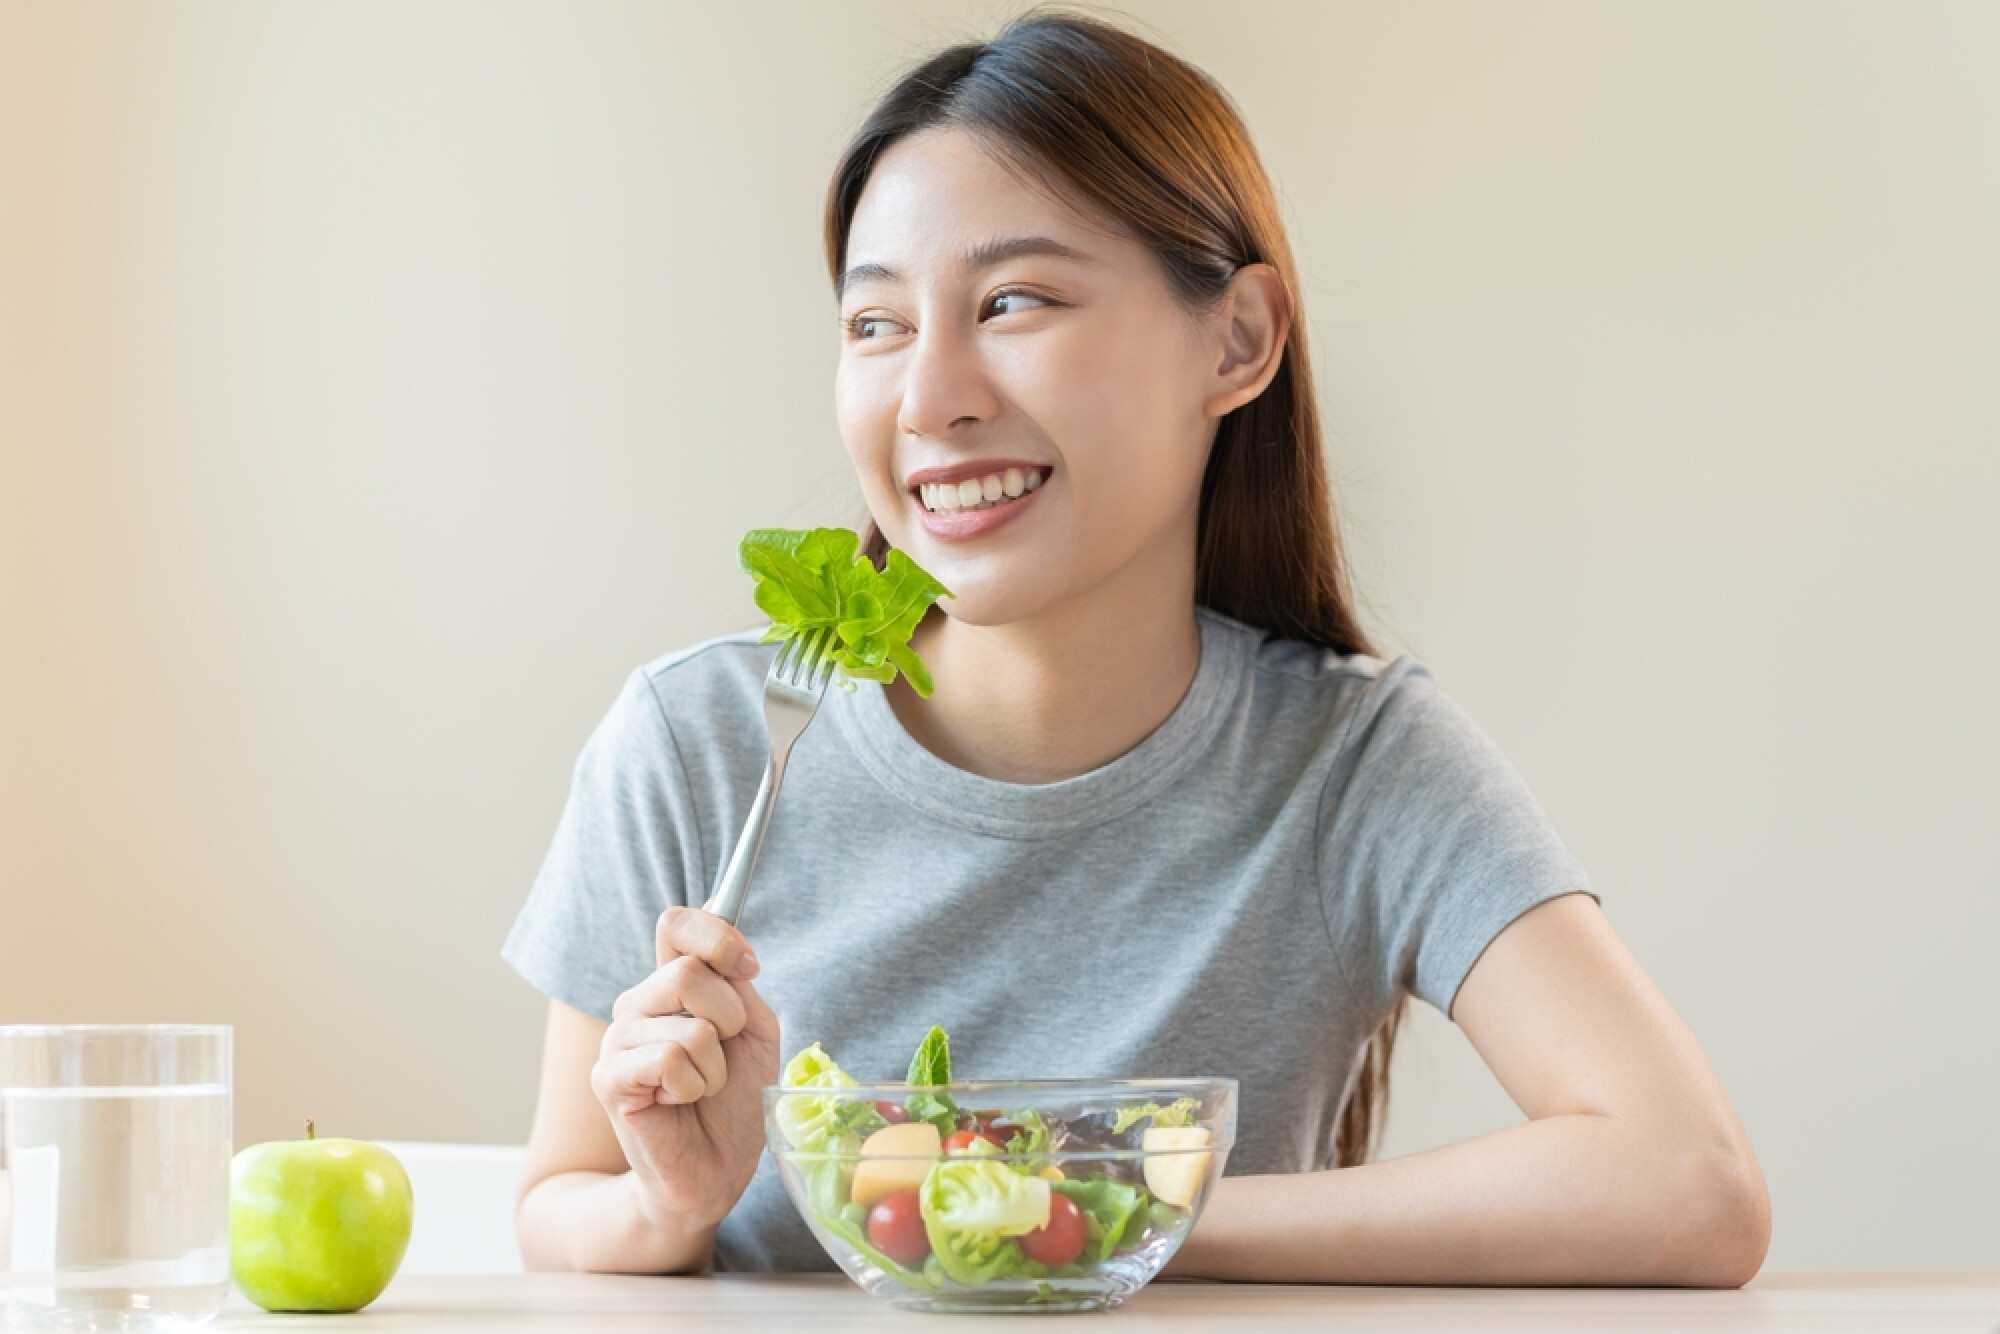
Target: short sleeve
x,y
1431,844
623,853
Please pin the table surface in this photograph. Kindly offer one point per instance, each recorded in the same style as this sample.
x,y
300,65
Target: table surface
x,y
1917,1303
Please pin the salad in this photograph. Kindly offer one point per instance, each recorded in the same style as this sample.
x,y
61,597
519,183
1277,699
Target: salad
x,y
932,1193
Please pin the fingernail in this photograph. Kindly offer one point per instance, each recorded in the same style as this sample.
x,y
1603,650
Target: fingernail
x,y
747,965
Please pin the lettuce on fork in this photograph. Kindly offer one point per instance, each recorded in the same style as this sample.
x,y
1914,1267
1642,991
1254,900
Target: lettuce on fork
x,y
817,579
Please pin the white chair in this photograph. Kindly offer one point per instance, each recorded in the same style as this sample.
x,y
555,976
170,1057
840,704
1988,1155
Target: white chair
x,y
464,1220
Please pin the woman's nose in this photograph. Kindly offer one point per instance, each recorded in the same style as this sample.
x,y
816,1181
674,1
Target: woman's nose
x,y
945,388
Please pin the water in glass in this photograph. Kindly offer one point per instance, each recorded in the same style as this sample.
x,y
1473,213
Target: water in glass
x,y
114,1202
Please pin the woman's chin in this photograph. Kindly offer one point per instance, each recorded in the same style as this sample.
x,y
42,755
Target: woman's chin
x,y
976,603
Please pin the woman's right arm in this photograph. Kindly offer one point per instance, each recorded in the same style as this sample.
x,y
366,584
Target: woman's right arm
x,y
648,1129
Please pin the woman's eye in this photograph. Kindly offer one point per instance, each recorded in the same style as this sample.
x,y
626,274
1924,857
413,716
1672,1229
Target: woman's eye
x,y
1012,303
870,326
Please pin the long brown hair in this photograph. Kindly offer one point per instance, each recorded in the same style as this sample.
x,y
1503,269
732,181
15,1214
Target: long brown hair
x,y
1149,142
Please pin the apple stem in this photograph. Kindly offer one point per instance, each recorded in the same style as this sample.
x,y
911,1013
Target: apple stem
x,y
310,1133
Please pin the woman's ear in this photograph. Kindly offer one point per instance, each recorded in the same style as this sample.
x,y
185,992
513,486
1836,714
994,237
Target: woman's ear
x,y
1252,322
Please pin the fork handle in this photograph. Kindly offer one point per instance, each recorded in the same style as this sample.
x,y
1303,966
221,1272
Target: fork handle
x,y
727,900
734,886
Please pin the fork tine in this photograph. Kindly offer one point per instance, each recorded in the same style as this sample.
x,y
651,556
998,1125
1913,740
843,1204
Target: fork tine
x,y
798,668
827,659
806,662
822,668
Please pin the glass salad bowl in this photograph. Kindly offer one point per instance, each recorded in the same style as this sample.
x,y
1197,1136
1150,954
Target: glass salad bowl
x,y
1052,1195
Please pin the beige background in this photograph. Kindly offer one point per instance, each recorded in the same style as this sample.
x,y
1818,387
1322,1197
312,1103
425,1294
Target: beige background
x,y
380,383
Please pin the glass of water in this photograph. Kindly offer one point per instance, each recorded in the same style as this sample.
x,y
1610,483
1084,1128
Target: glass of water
x,y
114,1175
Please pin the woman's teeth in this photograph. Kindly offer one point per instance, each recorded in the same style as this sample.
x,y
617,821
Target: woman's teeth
x,y
978,493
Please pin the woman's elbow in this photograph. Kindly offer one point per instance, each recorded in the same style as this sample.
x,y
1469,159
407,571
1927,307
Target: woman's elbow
x,y
1726,1222
536,1255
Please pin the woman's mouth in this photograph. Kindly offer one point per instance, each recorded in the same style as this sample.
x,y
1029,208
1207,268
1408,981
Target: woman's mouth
x,y
971,506
980,493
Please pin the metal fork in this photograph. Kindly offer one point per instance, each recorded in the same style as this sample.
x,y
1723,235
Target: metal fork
x,y
792,691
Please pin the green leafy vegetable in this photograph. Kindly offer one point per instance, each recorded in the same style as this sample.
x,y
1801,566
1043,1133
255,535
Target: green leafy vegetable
x,y
809,1122
828,1181
932,1063
825,1124
811,1067
1179,1112
973,1207
936,1108
822,1123
1108,1209
1128,1117
818,580
932,1066
1030,1140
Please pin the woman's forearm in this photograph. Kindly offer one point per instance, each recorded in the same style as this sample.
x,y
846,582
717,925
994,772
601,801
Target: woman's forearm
x,y
592,1221
1573,1199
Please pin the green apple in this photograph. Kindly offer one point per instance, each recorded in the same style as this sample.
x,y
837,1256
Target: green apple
x,y
316,1224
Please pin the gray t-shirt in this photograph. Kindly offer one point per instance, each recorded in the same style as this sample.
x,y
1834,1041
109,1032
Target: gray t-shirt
x,y
1245,893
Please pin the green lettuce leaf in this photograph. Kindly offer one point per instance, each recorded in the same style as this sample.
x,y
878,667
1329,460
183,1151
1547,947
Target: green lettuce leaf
x,y
1030,1141
817,579
973,1207
1108,1210
809,1123
829,1182
1179,1112
932,1063
936,1108
1032,1137
826,1129
811,1067
932,1066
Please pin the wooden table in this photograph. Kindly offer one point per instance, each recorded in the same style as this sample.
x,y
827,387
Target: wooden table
x,y
1940,1303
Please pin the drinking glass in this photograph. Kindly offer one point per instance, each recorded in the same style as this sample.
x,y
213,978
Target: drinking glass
x,y
114,1175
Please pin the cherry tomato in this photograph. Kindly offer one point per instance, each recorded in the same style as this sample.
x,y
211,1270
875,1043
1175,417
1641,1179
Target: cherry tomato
x,y
892,1112
958,1141
1061,1239
896,1228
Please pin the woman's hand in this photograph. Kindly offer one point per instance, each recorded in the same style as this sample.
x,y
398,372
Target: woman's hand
x,y
682,1091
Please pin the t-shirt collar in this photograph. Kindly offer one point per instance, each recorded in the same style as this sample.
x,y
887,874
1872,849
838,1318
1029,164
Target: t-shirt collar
x,y
893,758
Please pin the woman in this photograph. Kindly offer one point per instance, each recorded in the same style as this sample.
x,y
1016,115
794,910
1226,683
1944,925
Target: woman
x,y
1164,814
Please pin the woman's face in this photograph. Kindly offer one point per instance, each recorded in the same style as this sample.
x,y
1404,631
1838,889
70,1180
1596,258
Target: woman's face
x,y
1027,404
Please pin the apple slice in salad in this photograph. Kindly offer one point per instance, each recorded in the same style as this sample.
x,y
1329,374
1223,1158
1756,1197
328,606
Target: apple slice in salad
x,y
929,1192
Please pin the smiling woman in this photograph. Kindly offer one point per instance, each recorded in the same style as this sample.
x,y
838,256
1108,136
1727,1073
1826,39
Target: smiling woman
x,y
1164,814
